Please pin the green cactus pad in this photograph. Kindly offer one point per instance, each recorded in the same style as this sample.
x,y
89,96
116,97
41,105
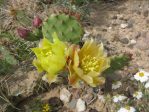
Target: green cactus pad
x,y
6,60
67,28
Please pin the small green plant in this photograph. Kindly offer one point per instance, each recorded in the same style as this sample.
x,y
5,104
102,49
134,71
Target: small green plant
x,y
19,48
117,63
67,28
6,60
37,106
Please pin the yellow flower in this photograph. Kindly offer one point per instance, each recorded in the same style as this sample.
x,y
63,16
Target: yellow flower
x,y
51,57
87,63
46,108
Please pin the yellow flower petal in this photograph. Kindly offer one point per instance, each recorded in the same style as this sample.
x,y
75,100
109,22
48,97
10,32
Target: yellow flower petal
x,y
51,57
37,64
88,63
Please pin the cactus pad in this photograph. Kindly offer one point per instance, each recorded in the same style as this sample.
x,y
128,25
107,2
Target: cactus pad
x,y
67,28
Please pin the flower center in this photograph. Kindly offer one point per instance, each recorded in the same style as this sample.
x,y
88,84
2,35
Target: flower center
x,y
141,74
127,107
89,63
136,94
47,52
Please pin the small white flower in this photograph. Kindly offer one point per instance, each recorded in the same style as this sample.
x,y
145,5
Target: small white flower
x,y
138,95
116,85
142,76
119,98
127,109
101,98
147,85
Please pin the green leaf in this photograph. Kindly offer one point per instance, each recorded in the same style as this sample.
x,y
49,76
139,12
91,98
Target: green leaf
x,y
117,63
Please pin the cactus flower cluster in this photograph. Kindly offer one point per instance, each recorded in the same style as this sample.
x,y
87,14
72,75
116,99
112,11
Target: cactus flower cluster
x,y
84,64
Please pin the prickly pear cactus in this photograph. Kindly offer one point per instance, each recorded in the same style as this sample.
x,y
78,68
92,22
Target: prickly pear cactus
x,y
6,60
67,28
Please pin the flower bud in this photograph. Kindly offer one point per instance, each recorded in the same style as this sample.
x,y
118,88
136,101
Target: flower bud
x,y
23,32
37,22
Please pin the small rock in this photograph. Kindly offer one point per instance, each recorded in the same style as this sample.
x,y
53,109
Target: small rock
x,y
114,17
90,90
130,23
132,42
120,16
104,30
114,24
124,25
86,35
101,98
93,110
137,35
124,40
72,103
110,28
65,95
96,89
56,104
145,13
88,98
80,106
76,92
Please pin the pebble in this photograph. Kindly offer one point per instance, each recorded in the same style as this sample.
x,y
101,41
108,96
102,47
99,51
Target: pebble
x,y
124,25
96,89
114,17
130,23
88,98
80,106
55,103
93,110
137,35
101,98
65,95
120,16
72,103
86,34
76,92
145,13
133,42
124,40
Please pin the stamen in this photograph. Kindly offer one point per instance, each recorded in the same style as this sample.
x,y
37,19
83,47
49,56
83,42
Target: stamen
x,y
89,63
141,74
